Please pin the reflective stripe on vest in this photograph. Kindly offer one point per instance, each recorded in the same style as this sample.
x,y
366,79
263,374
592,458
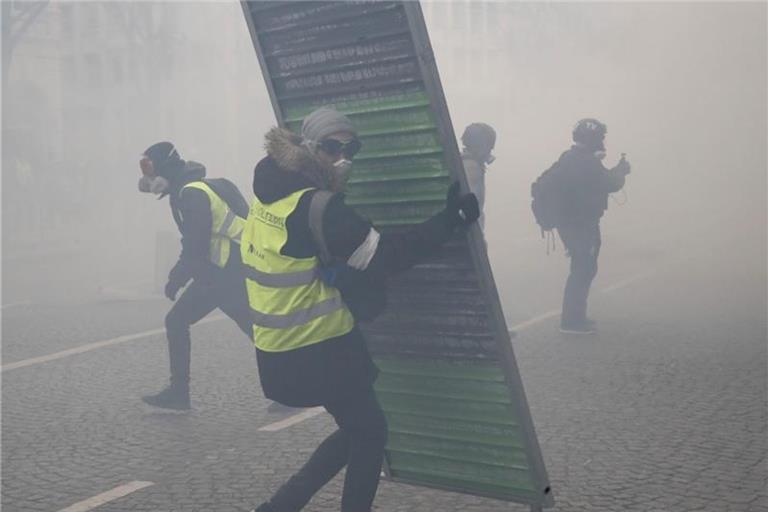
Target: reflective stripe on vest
x,y
283,280
297,318
228,220
226,225
291,306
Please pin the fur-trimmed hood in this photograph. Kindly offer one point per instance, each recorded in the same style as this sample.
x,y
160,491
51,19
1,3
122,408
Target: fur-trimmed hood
x,y
286,149
288,166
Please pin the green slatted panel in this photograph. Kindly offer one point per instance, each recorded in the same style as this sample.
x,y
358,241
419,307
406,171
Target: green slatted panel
x,y
407,168
449,387
400,176
454,424
383,122
392,102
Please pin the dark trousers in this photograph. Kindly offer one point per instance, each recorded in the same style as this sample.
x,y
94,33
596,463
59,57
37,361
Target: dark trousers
x,y
226,292
583,245
358,444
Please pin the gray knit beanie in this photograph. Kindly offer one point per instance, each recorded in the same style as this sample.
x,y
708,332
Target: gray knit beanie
x,y
323,122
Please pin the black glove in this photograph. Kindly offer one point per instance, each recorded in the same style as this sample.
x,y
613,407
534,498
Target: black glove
x,y
171,289
462,209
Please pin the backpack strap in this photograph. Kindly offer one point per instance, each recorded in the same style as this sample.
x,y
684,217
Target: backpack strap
x,y
317,206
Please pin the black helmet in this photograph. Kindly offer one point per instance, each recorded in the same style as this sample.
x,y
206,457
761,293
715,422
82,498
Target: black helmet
x,y
590,132
479,136
479,140
163,158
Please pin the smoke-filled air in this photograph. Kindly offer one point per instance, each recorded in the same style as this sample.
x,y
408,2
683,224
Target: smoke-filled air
x,y
580,323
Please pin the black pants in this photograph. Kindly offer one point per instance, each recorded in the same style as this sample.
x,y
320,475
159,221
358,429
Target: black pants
x,y
226,292
583,246
358,444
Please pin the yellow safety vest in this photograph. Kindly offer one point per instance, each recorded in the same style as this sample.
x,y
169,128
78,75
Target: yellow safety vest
x,y
226,228
291,306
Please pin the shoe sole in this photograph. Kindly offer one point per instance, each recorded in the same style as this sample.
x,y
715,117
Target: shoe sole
x,y
278,408
572,331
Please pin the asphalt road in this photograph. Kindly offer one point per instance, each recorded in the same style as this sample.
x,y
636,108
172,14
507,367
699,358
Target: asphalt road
x,y
664,410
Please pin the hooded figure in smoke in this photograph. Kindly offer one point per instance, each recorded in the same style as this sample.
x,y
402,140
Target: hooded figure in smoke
x,y
584,184
478,140
210,214
309,348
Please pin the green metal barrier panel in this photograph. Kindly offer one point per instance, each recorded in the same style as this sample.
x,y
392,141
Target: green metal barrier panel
x,y
449,385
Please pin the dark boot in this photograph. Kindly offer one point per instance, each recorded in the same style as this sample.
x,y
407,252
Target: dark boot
x,y
175,396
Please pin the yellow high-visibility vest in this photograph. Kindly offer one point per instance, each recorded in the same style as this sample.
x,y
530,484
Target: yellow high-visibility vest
x,y
227,227
291,306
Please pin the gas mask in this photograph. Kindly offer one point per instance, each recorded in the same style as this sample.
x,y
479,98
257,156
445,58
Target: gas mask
x,y
153,184
150,182
482,154
342,169
344,151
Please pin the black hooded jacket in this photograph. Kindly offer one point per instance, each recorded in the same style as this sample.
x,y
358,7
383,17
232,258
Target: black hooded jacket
x,y
330,370
584,183
191,209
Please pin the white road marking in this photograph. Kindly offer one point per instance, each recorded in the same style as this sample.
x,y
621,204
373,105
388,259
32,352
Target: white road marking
x,y
292,420
93,346
608,289
310,413
628,281
106,497
535,320
296,418
132,337
15,304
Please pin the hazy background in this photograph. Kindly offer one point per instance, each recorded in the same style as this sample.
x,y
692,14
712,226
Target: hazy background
x,y
681,86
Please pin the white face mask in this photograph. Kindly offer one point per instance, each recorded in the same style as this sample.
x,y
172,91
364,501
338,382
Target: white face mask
x,y
343,168
153,185
481,155
600,154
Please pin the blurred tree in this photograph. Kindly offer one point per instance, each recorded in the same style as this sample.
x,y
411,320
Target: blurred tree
x,y
17,17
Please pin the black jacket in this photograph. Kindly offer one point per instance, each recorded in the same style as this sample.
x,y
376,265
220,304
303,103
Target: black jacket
x,y
330,370
191,209
584,185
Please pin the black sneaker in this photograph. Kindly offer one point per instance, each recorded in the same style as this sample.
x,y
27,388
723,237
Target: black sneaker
x,y
170,398
586,327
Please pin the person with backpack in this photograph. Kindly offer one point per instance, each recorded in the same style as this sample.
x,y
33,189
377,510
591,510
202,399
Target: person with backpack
x,y
309,348
571,196
478,141
210,214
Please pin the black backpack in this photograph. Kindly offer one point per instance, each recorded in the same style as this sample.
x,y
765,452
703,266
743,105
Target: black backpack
x,y
547,198
230,194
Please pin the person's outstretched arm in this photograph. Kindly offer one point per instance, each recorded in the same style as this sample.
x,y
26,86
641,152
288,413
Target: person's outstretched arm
x,y
357,243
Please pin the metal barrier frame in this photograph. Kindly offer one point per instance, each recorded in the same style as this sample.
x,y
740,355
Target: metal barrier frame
x,y
434,88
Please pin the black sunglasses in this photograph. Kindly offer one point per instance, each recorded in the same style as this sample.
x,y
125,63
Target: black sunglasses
x,y
336,147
